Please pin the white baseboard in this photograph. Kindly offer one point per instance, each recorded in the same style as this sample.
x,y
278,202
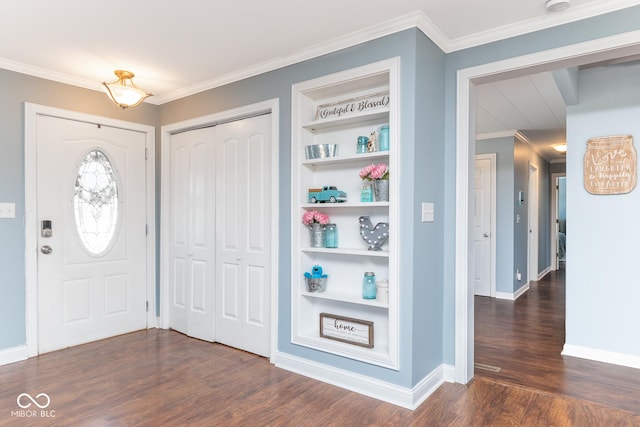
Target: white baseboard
x,y
629,360
513,296
544,273
13,354
391,393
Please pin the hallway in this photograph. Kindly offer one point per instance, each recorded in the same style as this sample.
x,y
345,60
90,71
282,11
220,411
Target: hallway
x,y
524,339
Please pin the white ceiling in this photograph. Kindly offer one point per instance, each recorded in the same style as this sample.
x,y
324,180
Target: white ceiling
x,y
532,105
182,47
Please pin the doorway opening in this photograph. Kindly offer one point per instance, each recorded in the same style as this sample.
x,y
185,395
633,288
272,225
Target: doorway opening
x,y
574,55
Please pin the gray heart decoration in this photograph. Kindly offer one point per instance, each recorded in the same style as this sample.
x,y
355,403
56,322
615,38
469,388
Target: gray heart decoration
x,y
374,236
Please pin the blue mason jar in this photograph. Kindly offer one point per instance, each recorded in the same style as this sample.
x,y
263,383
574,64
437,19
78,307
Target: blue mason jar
x,y
369,285
383,138
366,193
330,236
363,141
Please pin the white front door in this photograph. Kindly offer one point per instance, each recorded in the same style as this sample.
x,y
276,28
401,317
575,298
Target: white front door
x,y
91,210
482,234
244,224
192,233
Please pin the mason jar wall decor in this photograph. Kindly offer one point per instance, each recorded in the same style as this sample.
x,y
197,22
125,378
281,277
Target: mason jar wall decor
x,y
610,165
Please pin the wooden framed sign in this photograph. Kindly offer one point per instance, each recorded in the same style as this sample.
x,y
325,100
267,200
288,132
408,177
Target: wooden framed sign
x,y
346,329
610,165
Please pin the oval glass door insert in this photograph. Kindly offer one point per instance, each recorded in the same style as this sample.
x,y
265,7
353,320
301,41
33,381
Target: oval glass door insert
x,y
95,203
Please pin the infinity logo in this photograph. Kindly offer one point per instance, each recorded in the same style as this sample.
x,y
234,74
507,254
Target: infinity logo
x,y
34,401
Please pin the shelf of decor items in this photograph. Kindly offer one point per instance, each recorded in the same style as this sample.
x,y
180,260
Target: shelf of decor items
x,y
372,157
346,264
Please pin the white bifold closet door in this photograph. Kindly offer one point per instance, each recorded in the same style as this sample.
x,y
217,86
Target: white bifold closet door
x,y
221,222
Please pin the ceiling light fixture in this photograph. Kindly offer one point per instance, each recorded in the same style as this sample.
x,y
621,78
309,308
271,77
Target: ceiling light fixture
x,y
124,92
560,148
557,5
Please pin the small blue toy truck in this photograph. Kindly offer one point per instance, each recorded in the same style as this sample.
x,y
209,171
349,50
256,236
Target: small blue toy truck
x,y
327,193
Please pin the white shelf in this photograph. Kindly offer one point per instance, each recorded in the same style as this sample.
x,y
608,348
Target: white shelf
x,y
377,155
345,251
345,265
344,297
318,125
346,205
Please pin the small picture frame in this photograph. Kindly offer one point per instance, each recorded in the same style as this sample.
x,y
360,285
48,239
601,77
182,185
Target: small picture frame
x,y
346,329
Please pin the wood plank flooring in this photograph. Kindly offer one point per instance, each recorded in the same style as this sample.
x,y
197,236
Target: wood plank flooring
x,y
525,338
163,378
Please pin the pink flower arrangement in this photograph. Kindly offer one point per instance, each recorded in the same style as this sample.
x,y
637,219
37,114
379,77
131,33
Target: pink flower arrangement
x,y
312,217
375,172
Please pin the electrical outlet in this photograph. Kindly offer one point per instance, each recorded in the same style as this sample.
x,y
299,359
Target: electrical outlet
x,y
7,210
518,275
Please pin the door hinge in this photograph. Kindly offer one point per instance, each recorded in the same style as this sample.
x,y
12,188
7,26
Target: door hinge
x,y
146,154
147,306
146,229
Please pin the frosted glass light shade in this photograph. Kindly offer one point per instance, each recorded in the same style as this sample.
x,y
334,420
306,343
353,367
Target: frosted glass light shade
x,y
123,92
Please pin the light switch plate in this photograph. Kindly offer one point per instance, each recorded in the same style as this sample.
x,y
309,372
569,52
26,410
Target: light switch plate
x,y
427,212
7,210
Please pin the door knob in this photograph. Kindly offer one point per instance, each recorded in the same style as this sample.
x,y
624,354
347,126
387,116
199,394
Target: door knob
x,y
46,249
485,235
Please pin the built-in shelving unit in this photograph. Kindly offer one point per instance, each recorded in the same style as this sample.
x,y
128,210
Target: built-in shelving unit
x,y
347,263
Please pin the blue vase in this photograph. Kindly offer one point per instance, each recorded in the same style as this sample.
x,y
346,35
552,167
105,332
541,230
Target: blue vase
x,y
383,138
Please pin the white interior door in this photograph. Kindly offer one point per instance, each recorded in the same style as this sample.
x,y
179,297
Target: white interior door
x,y
91,195
482,229
243,207
192,230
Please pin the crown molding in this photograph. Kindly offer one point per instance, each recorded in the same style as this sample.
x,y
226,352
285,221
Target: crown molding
x,y
411,20
573,14
417,19
496,135
44,73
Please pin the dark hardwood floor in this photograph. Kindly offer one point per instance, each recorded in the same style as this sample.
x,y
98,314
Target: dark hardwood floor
x,y
163,378
525,338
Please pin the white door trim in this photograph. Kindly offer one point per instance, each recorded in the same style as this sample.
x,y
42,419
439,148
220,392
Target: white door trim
x,y
32,111
553,262
268,106
532,223
493,188
604,48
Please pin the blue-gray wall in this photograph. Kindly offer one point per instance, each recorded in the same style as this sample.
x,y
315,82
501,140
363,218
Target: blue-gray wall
x,y
505,210
428,173
421,177
577,32
512,175
16,89
428,186
602,273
